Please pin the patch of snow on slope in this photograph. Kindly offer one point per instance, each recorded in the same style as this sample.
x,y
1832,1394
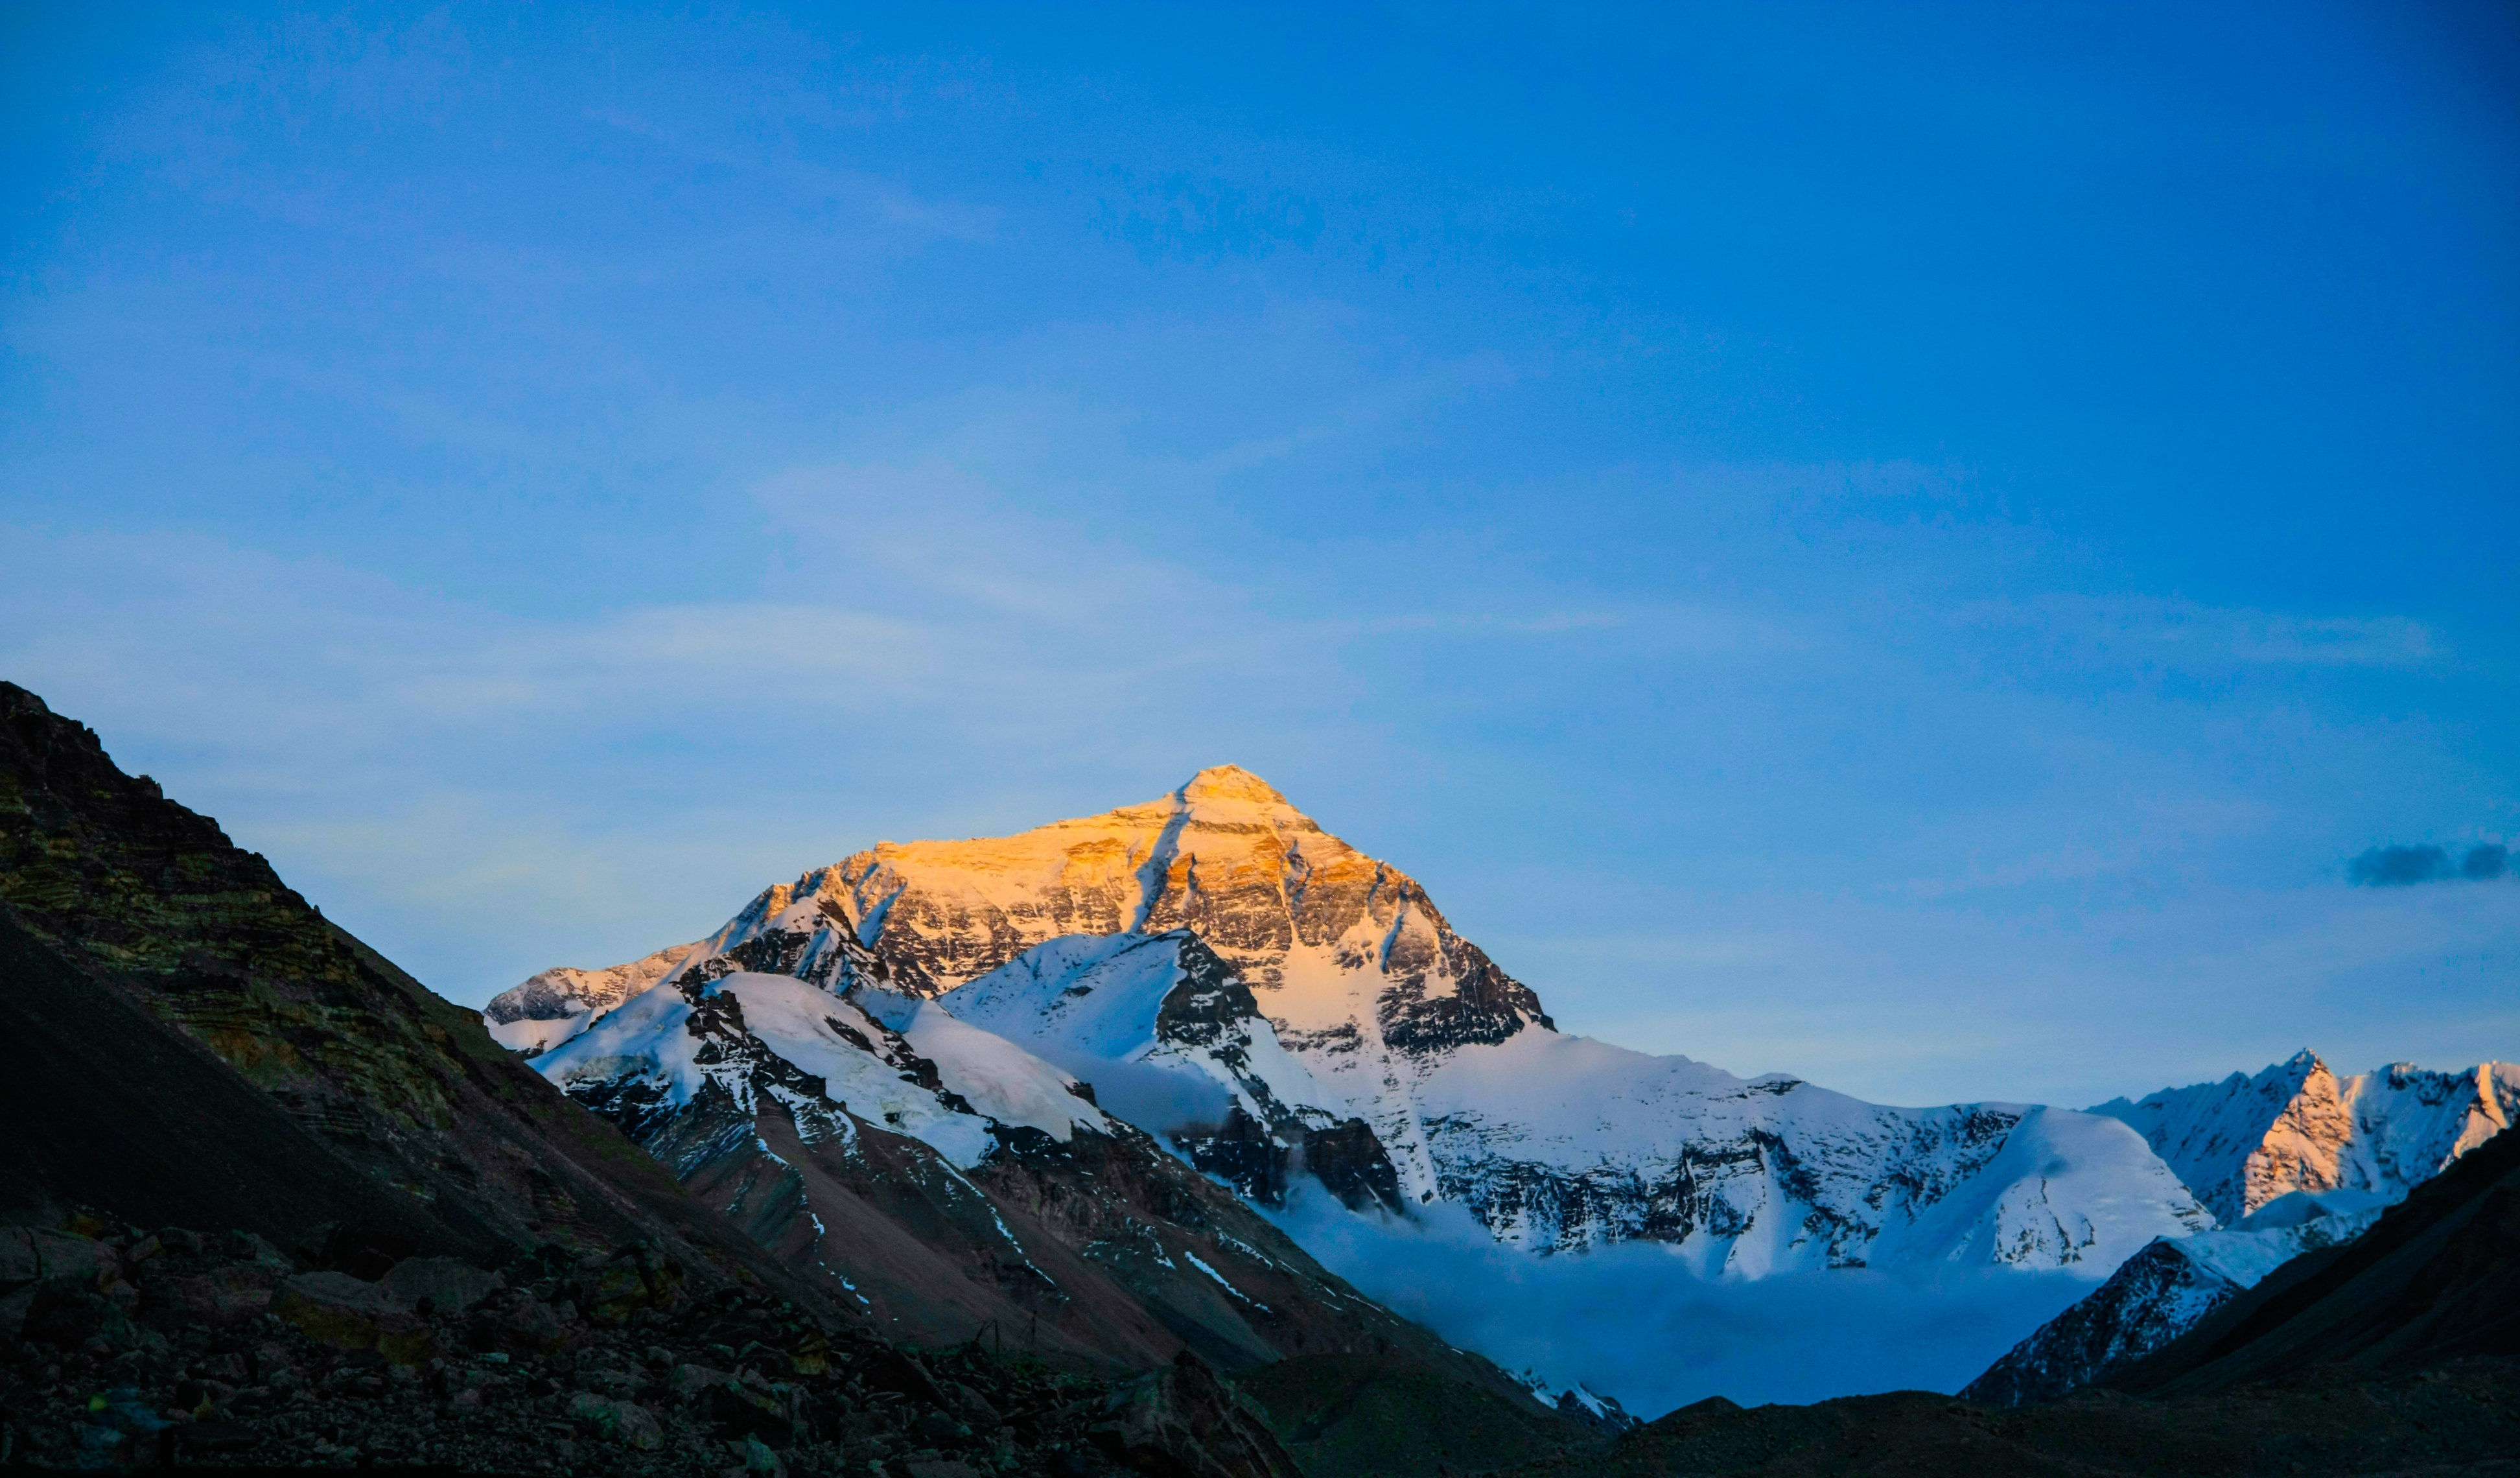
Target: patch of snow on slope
x,y
2245,1256
1090,1003
996,1077
531,1035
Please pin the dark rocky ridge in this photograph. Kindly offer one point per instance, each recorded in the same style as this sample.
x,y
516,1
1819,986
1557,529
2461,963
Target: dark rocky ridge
x,y
311,1092
2460,1419
2151,1300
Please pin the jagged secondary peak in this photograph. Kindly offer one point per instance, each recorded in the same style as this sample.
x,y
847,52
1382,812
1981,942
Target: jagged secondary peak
x,y
2297,1126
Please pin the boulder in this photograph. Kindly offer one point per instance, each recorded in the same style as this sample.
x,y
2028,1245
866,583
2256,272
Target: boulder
x,y
30,1254
224,1296
1183,1422
610,1419
450,1284
351,1314
514,1320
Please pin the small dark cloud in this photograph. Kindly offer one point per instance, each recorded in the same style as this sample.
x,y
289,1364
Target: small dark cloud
x,y
2402,866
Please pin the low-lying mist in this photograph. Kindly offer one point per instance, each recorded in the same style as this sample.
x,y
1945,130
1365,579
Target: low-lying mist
x,y
1141,1092
1630,1321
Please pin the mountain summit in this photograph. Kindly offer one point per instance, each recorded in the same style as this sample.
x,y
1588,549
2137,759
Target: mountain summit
x,y
1219,933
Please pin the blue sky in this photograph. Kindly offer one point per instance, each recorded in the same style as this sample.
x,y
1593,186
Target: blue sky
x,y
1906,545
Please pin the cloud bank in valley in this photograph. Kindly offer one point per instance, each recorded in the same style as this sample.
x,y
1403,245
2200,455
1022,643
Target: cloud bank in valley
x,y
1630,1321
2404,866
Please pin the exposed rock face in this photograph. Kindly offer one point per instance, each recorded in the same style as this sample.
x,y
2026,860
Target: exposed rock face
x,y
1224,857
2244,1142
1222,932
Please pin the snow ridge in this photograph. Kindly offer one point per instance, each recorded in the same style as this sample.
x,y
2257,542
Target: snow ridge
x,y
2245,1142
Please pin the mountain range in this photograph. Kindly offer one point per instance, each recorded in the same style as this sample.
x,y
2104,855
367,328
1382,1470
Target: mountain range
x,y
1281,1010
1221,933
900,1172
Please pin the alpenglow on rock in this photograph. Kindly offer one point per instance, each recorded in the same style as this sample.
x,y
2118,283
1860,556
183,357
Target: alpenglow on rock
x,y
2244,1142
1220,933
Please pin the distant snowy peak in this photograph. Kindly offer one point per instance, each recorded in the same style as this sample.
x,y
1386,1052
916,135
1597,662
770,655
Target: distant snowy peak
x,y
557,1005
2245,1142
788,929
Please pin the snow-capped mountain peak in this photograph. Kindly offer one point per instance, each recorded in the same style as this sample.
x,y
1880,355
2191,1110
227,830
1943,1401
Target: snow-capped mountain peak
x,y
1345,1029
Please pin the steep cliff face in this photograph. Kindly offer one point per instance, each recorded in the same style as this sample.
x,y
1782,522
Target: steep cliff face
x,y
1358,1039
2245,1142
